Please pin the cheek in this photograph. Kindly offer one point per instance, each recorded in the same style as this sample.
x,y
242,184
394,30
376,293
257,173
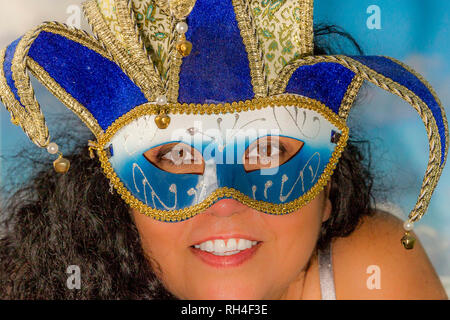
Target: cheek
x,y
295,235
299,225
289,241
163,244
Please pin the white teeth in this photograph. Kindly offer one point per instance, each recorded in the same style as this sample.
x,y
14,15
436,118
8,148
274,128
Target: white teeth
x,y
209,246
242,245
232,246
206,246
219,246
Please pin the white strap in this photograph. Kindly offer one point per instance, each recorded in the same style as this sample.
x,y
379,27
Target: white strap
x,y
326,276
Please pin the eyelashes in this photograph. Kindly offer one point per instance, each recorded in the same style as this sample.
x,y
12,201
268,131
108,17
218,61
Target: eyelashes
x,y
264,153
270,152
176,157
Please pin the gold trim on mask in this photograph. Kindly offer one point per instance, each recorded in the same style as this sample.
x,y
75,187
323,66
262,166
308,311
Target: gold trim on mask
x,y
434,168
149,82
21,116
66,98
172,85
249,36
306,41
29,115
435,96
350,96
242,106
126,49
35,123
27,112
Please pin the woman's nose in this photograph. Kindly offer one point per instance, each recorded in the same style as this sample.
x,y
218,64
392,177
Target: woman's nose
x,y
225,208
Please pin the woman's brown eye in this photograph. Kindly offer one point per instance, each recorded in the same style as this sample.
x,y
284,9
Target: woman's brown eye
x,y
270,152
176,157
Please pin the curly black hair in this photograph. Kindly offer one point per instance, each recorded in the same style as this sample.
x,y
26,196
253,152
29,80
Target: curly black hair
x,y
57,221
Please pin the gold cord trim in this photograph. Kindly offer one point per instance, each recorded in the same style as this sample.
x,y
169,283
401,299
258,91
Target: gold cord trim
x,y
249,34
35,124
172,84
435,96
30,116
257,103
124,59
19,114
140,69
350,96
77,35
134,43
434,168
67,99
306,44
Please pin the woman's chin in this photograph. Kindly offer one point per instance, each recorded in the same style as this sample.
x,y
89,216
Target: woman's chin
x,y
225,291
225,295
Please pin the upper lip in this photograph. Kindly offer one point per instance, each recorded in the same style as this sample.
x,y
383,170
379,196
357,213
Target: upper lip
x,y
226,236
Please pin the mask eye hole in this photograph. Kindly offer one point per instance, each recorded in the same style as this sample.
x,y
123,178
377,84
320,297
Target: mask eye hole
x,y
176,157
270,152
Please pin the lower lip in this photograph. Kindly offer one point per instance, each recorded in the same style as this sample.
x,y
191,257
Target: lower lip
x,y
233,260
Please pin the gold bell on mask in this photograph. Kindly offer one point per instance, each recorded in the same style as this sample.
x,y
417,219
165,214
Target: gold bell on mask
x,y
408,241
184,47
61,165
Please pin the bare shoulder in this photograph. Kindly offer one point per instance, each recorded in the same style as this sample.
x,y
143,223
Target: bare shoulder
x,y
371,263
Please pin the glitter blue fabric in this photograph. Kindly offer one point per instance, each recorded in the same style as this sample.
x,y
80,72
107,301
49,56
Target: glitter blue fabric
x,y
9,55
216,71
218,67
325,82
399,74
94,81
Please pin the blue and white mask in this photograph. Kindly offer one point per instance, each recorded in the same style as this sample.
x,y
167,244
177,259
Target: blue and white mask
x,y
200,159
194,103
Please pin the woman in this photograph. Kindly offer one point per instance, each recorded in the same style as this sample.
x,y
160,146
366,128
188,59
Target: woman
x,y
229,245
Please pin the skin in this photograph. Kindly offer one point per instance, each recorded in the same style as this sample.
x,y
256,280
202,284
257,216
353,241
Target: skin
x,y
279,269
288,243
285,264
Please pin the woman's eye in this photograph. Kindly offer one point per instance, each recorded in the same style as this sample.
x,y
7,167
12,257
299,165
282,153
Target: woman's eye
x,y
176,157
265,152
270,152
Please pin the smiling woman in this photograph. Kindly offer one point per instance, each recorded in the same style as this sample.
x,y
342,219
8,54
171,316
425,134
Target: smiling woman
x,y
233,172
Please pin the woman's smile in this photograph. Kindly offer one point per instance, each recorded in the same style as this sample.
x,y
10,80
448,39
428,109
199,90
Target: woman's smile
x,y
233,251
225,251
232,243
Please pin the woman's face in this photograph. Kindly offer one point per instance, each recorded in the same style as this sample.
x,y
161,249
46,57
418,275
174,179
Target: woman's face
x,y
264,271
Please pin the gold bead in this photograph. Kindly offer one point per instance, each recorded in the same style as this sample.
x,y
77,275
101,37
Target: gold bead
x,y
408,241
61,165
184,47
162,121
